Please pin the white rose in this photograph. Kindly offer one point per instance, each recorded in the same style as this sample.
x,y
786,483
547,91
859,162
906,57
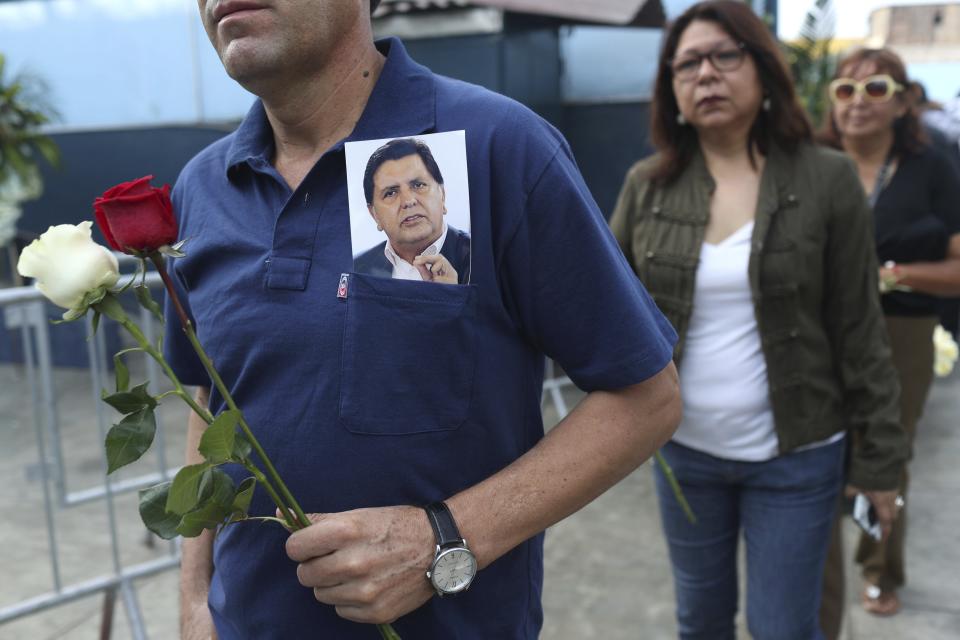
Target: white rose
x,y
944,351
67,263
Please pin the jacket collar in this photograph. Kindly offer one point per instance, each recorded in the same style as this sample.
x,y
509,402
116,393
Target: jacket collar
x,y
403,102
691,197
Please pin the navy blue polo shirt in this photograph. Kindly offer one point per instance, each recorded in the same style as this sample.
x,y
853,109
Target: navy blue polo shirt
x,y
401,392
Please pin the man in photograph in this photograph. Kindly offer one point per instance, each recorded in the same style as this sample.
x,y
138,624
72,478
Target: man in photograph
x,y
406,418
406,198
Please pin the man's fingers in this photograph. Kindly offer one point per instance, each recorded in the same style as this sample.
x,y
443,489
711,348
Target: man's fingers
x,y
364,615
435,268
325,535
309,575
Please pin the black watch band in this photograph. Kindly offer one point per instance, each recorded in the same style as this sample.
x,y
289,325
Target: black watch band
x,y
444,527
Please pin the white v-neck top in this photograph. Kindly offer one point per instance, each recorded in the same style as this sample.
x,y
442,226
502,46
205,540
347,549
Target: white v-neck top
x,y
723,374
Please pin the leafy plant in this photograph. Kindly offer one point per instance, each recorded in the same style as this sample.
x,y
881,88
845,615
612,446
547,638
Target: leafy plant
x,y
811,60
22,114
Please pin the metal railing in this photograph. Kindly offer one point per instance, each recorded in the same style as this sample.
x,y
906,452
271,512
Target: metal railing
x,y
553,386
25,308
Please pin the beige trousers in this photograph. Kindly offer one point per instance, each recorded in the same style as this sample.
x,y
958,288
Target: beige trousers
x,y
911,341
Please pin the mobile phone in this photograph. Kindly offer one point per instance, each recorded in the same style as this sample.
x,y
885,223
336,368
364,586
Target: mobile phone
x,y
865,516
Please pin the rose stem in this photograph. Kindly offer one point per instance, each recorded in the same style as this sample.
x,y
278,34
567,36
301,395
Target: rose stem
x,y
225,392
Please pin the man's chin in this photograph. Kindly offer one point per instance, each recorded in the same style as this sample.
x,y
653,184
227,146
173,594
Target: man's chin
x,y
418,245
248,66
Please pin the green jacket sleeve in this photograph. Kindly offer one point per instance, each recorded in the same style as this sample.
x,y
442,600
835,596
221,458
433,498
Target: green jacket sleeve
x,y
621,222
854,322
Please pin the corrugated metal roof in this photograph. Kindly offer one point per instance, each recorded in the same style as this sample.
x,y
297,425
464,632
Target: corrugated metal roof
x,y
614,12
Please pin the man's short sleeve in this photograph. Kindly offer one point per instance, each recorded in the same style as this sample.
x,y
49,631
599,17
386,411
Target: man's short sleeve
x,y
177,349
575,296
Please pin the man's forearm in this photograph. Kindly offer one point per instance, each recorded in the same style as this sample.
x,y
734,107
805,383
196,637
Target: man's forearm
x,y
607,436
196,554
196,568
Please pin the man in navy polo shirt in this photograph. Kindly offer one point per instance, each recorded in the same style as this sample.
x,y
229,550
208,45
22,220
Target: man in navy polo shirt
x,y
377,396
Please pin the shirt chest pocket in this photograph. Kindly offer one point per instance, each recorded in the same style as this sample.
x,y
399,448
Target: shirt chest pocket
x,y
409,356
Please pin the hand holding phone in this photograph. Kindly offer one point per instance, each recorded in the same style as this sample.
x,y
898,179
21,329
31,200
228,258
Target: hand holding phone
x,y
865,515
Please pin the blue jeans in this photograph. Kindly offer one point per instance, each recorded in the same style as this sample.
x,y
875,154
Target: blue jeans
x,y
785,507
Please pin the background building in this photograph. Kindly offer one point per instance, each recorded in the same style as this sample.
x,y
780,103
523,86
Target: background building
x,y
927,37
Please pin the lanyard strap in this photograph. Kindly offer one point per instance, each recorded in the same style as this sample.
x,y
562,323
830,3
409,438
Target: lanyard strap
x,y
881,180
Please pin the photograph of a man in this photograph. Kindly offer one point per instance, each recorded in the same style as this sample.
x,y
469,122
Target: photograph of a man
x,y
405,196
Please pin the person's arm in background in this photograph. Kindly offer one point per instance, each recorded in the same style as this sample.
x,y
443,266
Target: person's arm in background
x,y
196,562
940,278
853,320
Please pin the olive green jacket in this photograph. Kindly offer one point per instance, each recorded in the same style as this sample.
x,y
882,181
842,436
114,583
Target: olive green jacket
x,y
813,274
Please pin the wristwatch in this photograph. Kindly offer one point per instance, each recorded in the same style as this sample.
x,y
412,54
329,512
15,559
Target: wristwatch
x,y
454,565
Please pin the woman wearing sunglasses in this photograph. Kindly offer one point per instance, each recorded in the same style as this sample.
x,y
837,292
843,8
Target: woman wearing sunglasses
x,y
757,245
915,196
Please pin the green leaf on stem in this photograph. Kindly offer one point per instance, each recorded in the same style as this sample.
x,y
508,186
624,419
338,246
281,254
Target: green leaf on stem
x,y
94,324
218,487
153,512
217,442
71,314
120,369
122,373
241,502
93,297
185,491
129,401
111,307
209,516
147,302
213,508
241,448
133,278
130,438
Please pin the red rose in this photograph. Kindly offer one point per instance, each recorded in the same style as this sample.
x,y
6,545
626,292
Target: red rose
x,y
135,217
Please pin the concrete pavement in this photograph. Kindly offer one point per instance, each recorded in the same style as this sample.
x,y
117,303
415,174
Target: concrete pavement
x,y
606,570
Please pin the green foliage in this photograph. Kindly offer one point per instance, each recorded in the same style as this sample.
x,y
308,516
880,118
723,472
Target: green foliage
x,y
120,368
811,61
146,301
130,439
215,503
241,448
241,502
129,401
21,117
217,441
185,492
153,512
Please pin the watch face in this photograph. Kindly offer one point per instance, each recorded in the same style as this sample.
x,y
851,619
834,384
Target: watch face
x,y
453,570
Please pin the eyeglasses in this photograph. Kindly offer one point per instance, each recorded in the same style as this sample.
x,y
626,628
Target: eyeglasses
x,y
879,88
724,58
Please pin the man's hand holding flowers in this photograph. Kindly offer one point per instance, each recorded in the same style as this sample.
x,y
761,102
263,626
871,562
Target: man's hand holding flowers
x,y
76,273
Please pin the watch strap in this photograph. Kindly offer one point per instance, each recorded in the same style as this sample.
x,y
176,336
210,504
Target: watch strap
x,y
444,526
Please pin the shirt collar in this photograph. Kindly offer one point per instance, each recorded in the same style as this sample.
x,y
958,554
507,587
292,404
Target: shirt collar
x,y
402,103
431,250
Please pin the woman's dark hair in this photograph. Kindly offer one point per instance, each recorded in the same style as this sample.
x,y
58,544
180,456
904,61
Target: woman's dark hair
x,y
908,133
785,123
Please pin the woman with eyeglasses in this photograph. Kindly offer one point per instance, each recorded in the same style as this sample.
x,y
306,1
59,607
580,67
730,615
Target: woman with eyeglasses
x,y
757,245
915,195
